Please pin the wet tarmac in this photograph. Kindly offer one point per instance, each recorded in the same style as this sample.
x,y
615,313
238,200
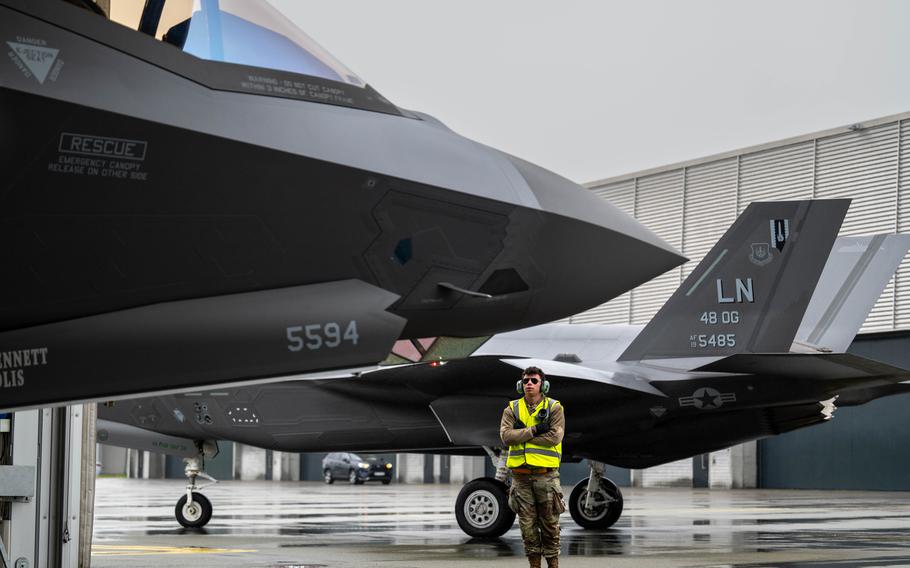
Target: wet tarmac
x,y
312,525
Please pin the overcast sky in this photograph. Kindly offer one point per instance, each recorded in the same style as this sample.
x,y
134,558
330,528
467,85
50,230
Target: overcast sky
x,y
592,89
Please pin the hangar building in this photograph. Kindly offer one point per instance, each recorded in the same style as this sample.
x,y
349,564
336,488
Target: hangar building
x,y
691,204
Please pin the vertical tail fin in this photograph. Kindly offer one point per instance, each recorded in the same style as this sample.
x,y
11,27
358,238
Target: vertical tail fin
x,y
750,292
857,271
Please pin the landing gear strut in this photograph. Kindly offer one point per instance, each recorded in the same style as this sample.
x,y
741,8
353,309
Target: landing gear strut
x,y
194,510
482,507
595,502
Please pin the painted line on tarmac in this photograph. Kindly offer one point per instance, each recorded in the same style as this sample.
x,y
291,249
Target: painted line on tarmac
x,y
130,550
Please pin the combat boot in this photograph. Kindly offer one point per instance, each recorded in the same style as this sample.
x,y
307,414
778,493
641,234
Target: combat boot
x,y
552,562
534,560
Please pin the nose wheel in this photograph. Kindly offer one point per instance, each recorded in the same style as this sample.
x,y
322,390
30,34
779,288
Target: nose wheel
x,y
195,513
194,510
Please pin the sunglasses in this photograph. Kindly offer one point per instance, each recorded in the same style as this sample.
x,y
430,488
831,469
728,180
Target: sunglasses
x,y
532,380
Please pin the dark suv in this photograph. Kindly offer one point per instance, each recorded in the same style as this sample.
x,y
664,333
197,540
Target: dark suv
x,y
341,465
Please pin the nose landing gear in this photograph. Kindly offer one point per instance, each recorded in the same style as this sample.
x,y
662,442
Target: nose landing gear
x,y
194,510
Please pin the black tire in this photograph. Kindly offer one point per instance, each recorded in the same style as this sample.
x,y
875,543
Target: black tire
x,y
386,481
196,515
607,508
354,479
482,508
327,476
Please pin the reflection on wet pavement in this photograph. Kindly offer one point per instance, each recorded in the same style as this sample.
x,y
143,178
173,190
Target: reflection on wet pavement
x,y
414,525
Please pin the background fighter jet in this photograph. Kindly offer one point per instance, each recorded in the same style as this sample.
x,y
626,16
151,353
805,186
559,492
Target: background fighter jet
x,y
738,353
196,193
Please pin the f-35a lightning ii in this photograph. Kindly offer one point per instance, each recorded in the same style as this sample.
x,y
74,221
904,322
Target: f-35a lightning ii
x,y
196,193
737,353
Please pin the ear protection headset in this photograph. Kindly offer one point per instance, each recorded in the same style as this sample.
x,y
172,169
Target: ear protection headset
x,y
544,387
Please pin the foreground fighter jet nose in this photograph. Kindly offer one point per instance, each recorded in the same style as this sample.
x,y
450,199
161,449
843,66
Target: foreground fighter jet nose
x,y
562,250
562,196
601,252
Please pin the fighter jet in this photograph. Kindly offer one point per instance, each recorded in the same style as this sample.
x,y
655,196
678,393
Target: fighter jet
x,y
195,192
747,347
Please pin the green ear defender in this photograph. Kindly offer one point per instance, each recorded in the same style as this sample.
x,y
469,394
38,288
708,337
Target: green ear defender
x,y
544,388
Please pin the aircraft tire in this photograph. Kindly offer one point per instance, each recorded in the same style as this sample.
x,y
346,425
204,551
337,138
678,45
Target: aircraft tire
x,y
482,508
194,516
327,476
605,512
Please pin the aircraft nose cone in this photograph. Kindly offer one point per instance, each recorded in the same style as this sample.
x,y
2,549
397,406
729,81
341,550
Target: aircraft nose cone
x,y
563,250
600,253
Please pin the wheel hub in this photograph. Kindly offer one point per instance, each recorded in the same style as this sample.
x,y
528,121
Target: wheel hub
x,y
192,512
481,509
594,506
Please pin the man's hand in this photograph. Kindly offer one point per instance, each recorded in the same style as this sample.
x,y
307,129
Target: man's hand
x,y
542,428
518,424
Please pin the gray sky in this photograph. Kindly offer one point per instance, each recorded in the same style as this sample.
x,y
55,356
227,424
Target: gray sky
x,y
592,89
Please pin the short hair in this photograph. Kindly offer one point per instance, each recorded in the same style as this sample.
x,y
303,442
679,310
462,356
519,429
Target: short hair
x,y
534,371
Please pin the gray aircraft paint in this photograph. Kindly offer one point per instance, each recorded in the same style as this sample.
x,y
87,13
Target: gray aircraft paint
x,y
420,150
132,87
752,307
857,271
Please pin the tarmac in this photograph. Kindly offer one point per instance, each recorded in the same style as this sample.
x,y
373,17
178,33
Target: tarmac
x,y
313,525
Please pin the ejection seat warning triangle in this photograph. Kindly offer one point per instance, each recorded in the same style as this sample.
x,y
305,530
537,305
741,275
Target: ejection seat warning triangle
x,y
37,59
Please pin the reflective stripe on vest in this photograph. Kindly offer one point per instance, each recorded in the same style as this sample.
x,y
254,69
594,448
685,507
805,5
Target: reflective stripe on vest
x,y
533,454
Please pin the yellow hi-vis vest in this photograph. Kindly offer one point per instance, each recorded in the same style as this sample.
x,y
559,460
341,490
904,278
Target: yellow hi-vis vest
x,y
529,454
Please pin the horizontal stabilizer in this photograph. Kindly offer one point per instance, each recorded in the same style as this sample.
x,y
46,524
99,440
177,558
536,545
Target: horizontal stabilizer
x,y
857,271
845,368
858,396
188,344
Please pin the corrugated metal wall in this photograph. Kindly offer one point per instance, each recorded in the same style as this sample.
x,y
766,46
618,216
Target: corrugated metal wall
x,y
691,205
654,196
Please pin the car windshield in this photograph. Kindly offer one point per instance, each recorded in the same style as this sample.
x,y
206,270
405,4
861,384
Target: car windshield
x,y
246,32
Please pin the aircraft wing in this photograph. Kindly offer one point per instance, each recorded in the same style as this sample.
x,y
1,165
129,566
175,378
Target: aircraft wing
x,y
470,419
573,371
843,368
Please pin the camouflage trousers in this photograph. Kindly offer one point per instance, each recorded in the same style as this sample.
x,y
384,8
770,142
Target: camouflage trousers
x,y
538,501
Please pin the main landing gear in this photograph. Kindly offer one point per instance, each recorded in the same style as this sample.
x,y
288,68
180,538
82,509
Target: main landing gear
x,y
482,507
595,502
194,510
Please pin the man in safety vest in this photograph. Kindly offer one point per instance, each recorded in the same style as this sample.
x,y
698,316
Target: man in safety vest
x,y
533,427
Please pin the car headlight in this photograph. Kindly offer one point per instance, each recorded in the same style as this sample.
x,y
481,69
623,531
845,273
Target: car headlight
x,y
364,465
388,466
